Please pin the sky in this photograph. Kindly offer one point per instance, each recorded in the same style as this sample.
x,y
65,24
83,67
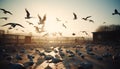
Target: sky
x,y
100,10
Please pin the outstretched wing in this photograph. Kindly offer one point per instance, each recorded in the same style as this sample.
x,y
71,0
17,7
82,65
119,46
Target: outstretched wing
x,y
2,9
20,25
9,12
7,24
116,11
44,18
39,18
28,14
75,16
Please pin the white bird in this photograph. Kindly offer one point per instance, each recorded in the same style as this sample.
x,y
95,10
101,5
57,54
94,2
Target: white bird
x,y
42,21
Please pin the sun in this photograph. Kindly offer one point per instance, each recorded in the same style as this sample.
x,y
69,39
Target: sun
x,y
52,27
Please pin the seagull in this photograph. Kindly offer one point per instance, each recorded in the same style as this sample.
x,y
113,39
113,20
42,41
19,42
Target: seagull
x,y
13,25
73,34
75,16
41,21
58,19
37,29
84,32
116,12
86,18
91,21
104,22
5,18
29,23
5,11
64,25
60,33
28,14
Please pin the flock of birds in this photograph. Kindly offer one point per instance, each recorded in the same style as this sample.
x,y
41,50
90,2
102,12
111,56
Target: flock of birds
x,y
42,20
61,54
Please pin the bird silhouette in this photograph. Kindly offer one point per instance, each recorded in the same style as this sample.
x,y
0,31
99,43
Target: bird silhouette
x,y
37,29
29,23
86,18
41,21
84,32
5,18
91,21
73,34
64,25
104,22
58,19
5,11
116,12
27,14
75,16
13,25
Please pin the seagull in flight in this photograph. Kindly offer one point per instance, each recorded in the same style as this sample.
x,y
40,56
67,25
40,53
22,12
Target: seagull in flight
x,y
91,21
86,18
58,19
64,25
29,23
73,34
27,14
84,32
13,25
5,18
75,16
5,11
116,12
41,21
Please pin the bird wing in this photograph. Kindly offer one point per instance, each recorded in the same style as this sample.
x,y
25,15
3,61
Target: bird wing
x,y
39,18
116,11
44,18
19,25
64,26
9,12
28,14
75,16
2,9
7,24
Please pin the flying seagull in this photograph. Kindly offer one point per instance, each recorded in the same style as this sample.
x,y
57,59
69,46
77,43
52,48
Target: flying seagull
x,y
27,14
64,26
73,34
84,32
86,18
29,23
13,25
41,21
104,22
5,18
75,16
116,12
58,19
91,21
5,11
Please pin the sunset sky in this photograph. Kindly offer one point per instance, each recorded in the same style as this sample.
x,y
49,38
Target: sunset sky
x,y
100,10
